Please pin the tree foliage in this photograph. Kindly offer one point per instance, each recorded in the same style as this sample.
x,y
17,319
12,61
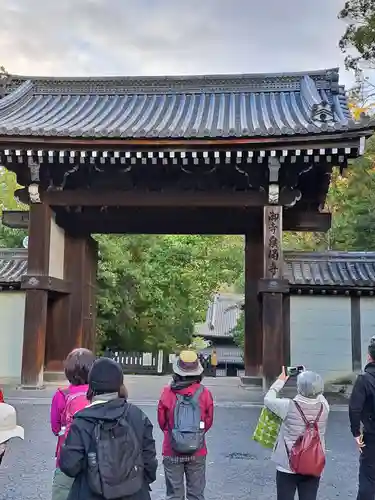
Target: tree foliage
x,y
8,184
360,33
153,289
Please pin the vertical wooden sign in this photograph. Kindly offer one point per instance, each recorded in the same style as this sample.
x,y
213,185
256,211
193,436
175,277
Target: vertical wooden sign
x,y
273,258
272,301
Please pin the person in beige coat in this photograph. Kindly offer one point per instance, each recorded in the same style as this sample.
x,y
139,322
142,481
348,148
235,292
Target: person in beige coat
x,y
310,398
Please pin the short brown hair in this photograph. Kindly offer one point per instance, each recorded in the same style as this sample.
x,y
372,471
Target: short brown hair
x,y
77,366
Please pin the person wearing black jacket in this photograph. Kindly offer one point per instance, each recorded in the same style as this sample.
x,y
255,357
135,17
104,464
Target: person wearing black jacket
x,y
108,398
362,425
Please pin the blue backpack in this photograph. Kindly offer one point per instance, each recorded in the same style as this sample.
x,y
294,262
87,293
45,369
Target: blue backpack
x,y
187,435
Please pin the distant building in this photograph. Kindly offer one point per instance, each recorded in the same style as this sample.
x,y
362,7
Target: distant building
x,y
222,317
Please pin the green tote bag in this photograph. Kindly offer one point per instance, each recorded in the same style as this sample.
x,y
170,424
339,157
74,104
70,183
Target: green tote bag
x,y
267,429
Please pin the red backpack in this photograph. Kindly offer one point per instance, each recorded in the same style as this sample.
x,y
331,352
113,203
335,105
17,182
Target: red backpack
x,y
306,456
73,403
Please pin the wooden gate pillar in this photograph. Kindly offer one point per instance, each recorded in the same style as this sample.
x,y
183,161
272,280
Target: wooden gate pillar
x,y
36,297
73,315
254,252
272,288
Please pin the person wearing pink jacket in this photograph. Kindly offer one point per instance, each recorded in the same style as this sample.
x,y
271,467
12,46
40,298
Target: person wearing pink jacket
x,y
77,366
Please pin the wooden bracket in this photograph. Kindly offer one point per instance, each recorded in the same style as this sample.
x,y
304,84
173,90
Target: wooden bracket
x,y
273,186
266,285
47,283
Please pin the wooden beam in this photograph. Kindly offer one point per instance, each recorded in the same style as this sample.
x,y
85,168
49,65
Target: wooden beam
x,y
300,142
305,220
49,283
16,219
208,220
152,199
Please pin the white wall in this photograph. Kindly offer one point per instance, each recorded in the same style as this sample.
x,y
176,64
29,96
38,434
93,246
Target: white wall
x,y
320,335
367,324
56,251
12,314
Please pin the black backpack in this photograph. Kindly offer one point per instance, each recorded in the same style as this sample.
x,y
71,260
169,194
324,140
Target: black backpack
x,y
115,460
187,436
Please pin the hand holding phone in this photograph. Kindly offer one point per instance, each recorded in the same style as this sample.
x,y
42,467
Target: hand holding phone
x,y
283,375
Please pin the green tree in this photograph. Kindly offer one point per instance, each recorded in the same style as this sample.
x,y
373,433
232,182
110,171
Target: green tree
x,y
8,184
360,32
153,289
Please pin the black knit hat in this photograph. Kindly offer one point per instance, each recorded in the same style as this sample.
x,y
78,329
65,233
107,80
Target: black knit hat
x,y
105,376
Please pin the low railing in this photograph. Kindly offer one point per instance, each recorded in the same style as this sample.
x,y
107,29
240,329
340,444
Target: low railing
x,y
139,363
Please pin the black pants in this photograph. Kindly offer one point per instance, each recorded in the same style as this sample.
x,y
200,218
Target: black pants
x,y
288,484
366,489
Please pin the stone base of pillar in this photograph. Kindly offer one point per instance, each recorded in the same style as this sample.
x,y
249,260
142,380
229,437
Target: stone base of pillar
x,y
31,387
251,381
55,376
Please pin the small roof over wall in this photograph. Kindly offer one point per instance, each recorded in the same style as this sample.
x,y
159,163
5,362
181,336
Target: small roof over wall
x,y
183,107
319,273
13,265
340,270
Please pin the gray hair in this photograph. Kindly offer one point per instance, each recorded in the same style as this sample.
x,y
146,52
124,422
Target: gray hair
x,y
309,384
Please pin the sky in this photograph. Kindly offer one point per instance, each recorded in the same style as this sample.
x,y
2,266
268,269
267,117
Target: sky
x,y
166,37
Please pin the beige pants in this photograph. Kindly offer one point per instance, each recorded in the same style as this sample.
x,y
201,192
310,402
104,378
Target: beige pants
x,y
61,485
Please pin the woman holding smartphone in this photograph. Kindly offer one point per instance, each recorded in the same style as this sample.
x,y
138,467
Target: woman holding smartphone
x,y
307,411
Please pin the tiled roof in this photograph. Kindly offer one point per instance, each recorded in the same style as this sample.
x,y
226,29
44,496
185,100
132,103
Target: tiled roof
x,y
222,316
176,107
227,354
13,265
330,269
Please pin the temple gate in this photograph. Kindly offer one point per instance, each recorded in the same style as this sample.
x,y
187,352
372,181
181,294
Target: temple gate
x,y
235,154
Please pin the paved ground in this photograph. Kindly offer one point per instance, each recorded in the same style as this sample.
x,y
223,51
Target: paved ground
x,y
146,389
237,467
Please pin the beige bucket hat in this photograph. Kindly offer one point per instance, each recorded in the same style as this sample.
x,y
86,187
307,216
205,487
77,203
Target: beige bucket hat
x,y
187,364
8,424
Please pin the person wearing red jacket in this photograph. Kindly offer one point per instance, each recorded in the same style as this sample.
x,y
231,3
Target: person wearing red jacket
x,y
186,383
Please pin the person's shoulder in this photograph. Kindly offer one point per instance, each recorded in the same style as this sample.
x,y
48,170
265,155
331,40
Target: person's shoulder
x,y
205,391
136,411
166,391
322,399
136,414
362,379
60,393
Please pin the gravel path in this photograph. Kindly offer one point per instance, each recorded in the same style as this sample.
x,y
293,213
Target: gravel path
x,y
237,467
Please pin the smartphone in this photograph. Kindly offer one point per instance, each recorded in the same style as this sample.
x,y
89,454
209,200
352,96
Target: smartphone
x,y
293,371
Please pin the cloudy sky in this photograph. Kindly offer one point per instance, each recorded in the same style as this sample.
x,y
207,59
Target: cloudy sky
x,y
128,37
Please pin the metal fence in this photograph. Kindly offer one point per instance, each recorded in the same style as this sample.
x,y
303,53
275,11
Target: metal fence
x,y
139,363
160,363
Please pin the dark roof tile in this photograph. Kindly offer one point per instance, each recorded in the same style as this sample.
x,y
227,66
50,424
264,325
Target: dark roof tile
x,y
331,269
176,107
13,265
222,316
